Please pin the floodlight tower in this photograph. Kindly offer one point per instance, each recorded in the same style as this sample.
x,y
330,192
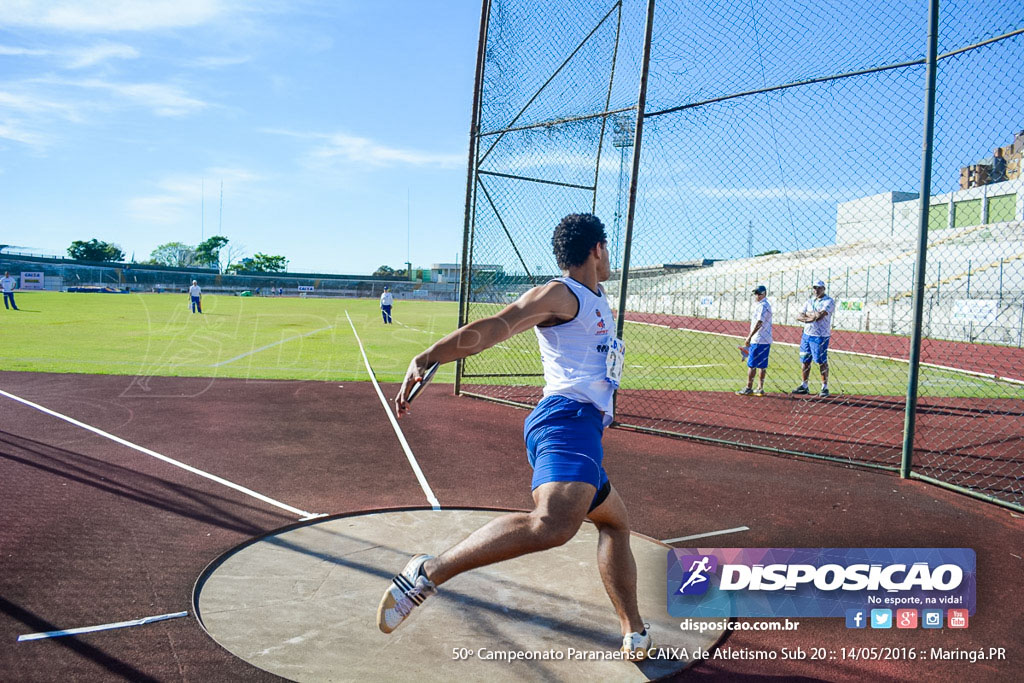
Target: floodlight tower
x,y
623,136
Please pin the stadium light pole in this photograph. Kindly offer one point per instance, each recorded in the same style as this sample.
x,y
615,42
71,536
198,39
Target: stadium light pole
x,y
910,416
623,137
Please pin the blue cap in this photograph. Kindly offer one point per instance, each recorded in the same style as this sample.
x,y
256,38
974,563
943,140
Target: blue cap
x,y
760,289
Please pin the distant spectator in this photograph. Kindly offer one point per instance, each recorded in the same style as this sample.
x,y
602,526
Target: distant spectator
x,y
998,167
196,297
758,342
385,305
817,318
8,283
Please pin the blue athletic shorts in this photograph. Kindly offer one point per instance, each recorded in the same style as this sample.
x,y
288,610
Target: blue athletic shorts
x,y
563,443
758,356
814,348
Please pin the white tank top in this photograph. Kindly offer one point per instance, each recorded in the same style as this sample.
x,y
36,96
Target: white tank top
x,y
574,352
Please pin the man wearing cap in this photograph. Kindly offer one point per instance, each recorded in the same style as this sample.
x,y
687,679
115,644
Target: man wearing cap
x,y
385,305
816,315
759,341
195,295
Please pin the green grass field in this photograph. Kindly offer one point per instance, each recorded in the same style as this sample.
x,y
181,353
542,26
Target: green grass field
x,y
289,338
255,338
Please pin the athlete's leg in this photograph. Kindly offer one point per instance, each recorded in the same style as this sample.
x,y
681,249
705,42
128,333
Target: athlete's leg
x,y
560,508
615,560
750,377
805,371
824,373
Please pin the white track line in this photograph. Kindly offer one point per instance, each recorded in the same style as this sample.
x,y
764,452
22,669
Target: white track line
x,y
188,468
705,535
268,346
414,329
103,627
431,498
949,368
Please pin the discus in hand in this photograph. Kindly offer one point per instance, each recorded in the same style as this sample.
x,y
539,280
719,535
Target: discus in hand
x,y
423,382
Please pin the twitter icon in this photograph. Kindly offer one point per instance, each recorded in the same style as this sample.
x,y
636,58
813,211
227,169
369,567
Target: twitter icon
x,y
881,618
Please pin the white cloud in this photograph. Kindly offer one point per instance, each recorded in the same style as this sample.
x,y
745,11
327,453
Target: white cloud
x,y
218,62
364,151
11,51
107,16
179,195
10,130
793,193
90,56
163,99
31,103
77,58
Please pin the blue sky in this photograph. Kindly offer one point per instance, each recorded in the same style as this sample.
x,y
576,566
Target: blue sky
x,y
319,118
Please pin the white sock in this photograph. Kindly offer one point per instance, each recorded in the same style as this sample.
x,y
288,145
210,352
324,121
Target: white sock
x,y
825,386
804,385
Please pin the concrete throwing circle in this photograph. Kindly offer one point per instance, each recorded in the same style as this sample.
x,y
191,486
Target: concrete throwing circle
x,y
301,603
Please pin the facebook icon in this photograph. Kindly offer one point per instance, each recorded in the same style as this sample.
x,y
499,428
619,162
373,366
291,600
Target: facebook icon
x,y
856,618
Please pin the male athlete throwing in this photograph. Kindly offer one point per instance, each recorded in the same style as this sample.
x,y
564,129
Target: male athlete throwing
x,y
582,363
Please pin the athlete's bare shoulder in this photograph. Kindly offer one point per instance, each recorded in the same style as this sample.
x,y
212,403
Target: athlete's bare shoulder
x,y
547,304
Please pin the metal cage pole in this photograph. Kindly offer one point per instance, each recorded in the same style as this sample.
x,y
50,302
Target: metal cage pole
x,y
474,141
910,417
638,134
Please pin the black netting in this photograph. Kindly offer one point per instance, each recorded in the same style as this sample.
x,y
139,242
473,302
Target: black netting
x,y
781,145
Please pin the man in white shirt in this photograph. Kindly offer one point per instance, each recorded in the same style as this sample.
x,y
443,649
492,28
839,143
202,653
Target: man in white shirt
x,y
385,305
816,315
759,341
8,283
195,295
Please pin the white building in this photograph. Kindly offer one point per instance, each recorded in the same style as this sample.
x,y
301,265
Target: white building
x,y
895,215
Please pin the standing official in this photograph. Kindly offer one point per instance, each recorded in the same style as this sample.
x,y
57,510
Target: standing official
x,y
816,315
8,283
385,305
196,297
759,341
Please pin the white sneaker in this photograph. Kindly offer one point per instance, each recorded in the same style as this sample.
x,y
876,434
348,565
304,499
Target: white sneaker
x,y
636,645
407,591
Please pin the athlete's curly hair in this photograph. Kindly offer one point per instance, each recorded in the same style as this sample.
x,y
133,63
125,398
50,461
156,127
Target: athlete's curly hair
x,y
574,237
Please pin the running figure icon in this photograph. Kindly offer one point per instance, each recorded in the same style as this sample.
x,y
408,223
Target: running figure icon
x,y
697,571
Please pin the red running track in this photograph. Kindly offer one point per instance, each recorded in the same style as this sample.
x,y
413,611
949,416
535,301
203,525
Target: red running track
x,y
94,532
988,359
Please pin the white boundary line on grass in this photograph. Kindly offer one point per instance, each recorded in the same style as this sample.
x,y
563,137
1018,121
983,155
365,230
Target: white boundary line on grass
x,y
705,535
414,329
303,515
949,368
431,498
268,346
102,627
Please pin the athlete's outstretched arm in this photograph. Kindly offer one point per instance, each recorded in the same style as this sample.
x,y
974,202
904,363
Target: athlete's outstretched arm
x,y
550,303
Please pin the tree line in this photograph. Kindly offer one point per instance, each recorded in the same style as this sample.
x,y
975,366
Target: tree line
x,y
216,252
